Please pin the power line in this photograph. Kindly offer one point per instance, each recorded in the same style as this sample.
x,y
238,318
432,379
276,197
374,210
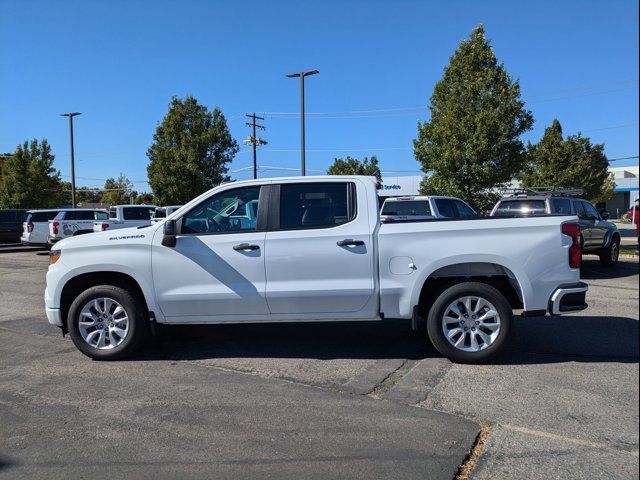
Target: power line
x,y
254,140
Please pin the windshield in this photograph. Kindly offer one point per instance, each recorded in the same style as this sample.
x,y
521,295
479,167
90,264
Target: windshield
x,y
521,207
406,207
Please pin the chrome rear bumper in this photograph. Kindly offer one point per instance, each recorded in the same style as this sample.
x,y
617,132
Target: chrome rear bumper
x,y
568,298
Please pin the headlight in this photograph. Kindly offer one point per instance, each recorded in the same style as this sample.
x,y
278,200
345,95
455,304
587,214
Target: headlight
x,y
54,256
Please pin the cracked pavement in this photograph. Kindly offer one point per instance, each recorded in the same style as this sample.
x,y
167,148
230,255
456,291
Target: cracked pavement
x,y
351,400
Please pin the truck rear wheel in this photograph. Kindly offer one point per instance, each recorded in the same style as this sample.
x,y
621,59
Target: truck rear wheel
x,y
609,255
107,322
469,322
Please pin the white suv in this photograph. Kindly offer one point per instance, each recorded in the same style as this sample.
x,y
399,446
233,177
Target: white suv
x,y
35,228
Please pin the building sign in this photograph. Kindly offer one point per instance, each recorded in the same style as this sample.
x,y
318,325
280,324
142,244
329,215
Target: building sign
x,y
399,186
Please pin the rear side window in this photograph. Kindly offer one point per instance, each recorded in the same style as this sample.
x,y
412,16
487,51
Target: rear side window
x,y
446,207
562,206
79,215
99,215
316,205
42,216
137,213
406,207
521,207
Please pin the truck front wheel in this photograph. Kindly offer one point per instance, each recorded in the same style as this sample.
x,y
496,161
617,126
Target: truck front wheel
x,y
107,322
469,322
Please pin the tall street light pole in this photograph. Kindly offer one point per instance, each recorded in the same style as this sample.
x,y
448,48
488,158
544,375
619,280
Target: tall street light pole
x,y
303,169
73,167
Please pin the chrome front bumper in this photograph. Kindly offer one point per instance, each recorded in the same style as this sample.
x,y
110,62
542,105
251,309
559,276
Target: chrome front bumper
x,y
568,298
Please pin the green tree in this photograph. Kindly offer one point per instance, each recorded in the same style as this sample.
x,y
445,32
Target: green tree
x,y
190,152
471,144
571,162
353,166
144,198
28,179
117,191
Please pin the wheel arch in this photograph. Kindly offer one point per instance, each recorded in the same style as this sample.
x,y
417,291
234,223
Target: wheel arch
x,y
490,273
76,285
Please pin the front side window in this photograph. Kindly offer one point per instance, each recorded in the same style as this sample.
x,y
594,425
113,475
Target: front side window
x,y
591,211
562,206
113,213
446,208
226,212
316,205
99,215
407,207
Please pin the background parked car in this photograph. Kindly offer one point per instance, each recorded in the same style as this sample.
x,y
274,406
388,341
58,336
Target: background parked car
x,y
598,236
11,224
424,207
124,216
71,223
35,228
164,212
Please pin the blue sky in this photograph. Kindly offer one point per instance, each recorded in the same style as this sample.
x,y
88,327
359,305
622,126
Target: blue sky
x,y
119,62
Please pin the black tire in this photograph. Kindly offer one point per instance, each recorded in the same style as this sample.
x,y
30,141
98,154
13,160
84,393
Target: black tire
x,y
609,255
139,327
437,311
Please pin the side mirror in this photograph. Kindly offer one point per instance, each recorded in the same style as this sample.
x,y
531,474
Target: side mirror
x,y
604,215
169,238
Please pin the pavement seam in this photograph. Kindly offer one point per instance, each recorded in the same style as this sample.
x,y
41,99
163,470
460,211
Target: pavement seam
x,y
471,460
566,439
392,379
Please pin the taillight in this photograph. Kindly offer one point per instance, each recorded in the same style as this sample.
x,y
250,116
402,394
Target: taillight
x,y
55,227
105,226
575,253
29,227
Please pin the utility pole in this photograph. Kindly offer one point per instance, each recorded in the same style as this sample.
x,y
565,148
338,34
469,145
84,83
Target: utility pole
x,y
73,167
303,168
253,140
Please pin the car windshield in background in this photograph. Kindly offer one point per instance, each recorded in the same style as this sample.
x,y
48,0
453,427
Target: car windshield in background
x,y
407,207
521,207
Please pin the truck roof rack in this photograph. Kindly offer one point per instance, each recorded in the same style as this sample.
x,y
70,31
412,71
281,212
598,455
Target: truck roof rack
x,y
546,191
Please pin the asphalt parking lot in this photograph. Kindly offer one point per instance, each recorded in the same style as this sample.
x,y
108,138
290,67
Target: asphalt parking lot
x,y
356,400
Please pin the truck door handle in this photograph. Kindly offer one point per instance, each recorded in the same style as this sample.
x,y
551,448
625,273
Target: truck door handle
x,y
245,246
350,243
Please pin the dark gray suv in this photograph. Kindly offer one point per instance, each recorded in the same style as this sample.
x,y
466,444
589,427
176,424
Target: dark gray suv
x,y
599,236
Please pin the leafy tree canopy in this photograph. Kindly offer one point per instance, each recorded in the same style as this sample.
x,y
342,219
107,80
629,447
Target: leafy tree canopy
x,y
352,166
118,191
471,143
190,152
571,162
28,179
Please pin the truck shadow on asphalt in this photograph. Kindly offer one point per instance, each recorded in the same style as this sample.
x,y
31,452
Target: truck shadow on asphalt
x,y
533,340
592,270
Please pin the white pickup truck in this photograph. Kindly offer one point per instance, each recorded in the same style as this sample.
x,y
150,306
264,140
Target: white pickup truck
x,y
124,216
70,223
315,251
